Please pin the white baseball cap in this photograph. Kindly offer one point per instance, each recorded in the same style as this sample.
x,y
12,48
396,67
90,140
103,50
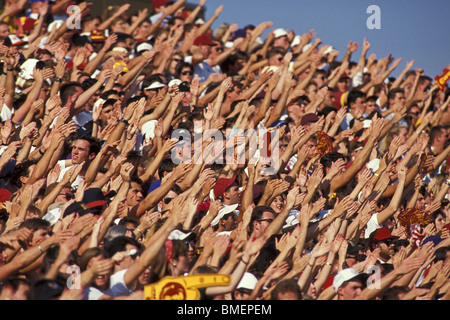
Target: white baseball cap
x,y
347,275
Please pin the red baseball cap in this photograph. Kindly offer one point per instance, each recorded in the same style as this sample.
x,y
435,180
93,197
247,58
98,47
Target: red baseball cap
x,y
222,184
204,40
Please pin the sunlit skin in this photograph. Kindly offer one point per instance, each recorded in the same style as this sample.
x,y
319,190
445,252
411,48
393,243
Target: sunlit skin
x,y
350,290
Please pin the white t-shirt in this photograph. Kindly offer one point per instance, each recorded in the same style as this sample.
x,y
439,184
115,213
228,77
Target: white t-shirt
x,y
372,225
117,288
62,164
6,113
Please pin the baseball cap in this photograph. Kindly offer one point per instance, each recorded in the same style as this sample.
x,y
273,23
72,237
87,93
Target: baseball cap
x,y
98,36
348,274
204,40
222,184
382,234
15,40
144,46
158,3
155,85
222,212
280,32
181,235
309,117
184,86
248,281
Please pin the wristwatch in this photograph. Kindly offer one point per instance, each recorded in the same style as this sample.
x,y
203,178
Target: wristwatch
x,y
124,121
57,79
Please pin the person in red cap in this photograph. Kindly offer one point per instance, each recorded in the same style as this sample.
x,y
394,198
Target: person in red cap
x,y
227,190
383,240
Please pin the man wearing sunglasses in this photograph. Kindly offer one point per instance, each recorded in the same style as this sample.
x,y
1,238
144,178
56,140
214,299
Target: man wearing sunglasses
x,y
383,240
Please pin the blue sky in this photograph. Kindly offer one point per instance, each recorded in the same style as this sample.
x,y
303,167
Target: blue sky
x,y
410,29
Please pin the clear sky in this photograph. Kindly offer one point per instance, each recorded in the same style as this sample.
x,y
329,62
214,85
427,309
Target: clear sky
x,y
410,29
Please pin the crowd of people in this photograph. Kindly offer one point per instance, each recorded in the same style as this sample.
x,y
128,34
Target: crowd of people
x,y
126,159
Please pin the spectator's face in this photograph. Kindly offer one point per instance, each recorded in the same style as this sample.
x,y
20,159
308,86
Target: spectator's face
x,y
350,291
420,203
371,106
439,222
216,50
80,151
414,112
102,281
281,42
403,134
134,195
22,292
174,62
91,25
64,195
129,260
277,204
399,98
119,26
186,74
4,31
311,92
276,60
106,114
261,224
145,27
297,109
179,266
329,98
167,199
343,85
39,235
230,223
359,104
233,195
319,79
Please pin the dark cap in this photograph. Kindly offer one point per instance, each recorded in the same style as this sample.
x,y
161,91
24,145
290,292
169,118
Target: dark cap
x,y
309,117
184,86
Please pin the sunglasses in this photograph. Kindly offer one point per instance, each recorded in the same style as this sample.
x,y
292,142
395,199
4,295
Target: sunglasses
x,y
268,220
187,73
177,60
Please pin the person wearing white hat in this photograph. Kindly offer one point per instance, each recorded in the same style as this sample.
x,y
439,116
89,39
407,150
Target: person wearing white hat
x,y
245,287
281,38
348,283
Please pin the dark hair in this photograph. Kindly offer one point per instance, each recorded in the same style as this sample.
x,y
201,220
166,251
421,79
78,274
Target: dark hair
x,y
35,224
257,214
180,67
119,244
166,165
286,285
327,160
67,90
393,92
392,293
353,95
94,144
21,170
